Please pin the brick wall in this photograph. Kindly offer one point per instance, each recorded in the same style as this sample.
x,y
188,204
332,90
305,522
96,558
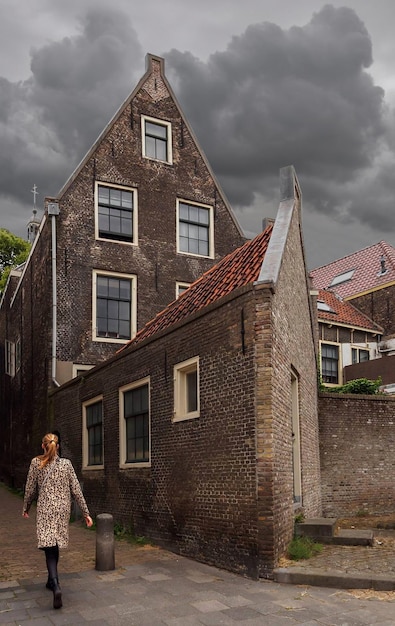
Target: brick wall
x,y
284,344
199,495
115,159
379,305
357,449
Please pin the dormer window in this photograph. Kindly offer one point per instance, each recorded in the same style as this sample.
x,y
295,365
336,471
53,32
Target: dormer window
x,y
156,139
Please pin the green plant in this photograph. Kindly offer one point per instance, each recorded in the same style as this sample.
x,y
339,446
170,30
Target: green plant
x,y
299,518
127,533
362,513
357,386
303,548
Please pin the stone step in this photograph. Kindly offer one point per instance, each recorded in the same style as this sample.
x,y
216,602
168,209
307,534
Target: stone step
x,y
324,530
353,537
320,529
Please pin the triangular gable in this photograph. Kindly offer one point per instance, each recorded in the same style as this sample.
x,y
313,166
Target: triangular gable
x,y
155,83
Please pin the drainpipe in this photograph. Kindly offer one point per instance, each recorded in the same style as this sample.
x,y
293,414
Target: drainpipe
x,y
53,211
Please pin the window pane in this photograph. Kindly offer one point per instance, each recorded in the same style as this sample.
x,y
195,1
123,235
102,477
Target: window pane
x,y
115,197
191,388
203,216
102,286
104,194
150,147
113,287
124,289
161,150
194,214
156,130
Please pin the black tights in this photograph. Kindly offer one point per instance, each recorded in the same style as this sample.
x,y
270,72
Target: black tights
x,y
52,558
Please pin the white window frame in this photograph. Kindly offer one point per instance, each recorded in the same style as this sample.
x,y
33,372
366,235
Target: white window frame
x,y
85,439
78,368
18,356
132,190
211,228
122,424
339,363
9,358
181,287
359,349
133,305
169,143
180,371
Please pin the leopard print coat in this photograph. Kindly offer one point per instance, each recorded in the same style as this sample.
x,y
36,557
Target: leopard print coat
x,y
53,500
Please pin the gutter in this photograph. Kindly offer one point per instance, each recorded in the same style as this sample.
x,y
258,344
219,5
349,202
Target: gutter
x,y
53,211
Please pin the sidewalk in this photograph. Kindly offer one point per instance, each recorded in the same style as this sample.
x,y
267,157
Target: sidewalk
x,y
153,587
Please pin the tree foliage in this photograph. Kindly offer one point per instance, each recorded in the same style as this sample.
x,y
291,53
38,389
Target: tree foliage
x,y
13,251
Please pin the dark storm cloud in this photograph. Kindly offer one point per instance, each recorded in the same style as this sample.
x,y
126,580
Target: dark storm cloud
x,y
300,96
48,121
273,97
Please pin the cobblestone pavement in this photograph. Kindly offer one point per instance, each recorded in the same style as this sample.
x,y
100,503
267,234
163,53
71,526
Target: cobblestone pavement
x,y
153,587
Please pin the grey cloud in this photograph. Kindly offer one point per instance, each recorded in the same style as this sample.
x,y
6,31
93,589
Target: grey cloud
x,y
300,96
49,121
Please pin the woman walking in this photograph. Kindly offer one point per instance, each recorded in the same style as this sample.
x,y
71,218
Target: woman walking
x,y
53,482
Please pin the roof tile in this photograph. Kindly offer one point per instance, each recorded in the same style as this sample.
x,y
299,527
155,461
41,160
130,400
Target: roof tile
x,y
237,269
343,312
366,265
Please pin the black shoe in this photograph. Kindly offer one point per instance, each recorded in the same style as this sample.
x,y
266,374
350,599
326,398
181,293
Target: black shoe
x,y
57,593
49,584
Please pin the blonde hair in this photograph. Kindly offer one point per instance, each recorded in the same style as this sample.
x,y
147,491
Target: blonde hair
x,y
50,443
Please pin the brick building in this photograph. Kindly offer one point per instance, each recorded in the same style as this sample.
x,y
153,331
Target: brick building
x,y
202,431
365,279
140,219
346,337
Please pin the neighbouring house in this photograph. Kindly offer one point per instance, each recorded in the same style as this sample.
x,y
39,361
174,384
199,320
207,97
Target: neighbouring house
x,y
366,279
140,218
202,431
346,337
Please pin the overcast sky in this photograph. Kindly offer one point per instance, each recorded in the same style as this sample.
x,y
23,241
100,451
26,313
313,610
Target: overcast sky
x,y
264,83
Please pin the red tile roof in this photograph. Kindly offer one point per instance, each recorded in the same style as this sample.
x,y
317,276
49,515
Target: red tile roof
x,y
365,266
239,268
343,312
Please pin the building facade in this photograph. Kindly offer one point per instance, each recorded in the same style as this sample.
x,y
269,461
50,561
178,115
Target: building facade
x,y
202,431
140,219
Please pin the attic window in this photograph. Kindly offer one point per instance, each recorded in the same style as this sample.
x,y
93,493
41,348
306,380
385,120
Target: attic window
x,y
323,306
156,139
342,278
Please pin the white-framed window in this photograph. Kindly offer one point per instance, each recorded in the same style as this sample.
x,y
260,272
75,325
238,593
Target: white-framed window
x,y
195,228
156,139
79,369
92,434
114,306
9,357
330,363
116,213
18,355
135,424
359,355
186,390
180,288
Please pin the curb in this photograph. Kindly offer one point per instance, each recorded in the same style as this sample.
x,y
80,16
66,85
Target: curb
x,y
333,578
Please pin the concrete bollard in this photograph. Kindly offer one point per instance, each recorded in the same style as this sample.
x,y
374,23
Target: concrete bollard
x,y
105,558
